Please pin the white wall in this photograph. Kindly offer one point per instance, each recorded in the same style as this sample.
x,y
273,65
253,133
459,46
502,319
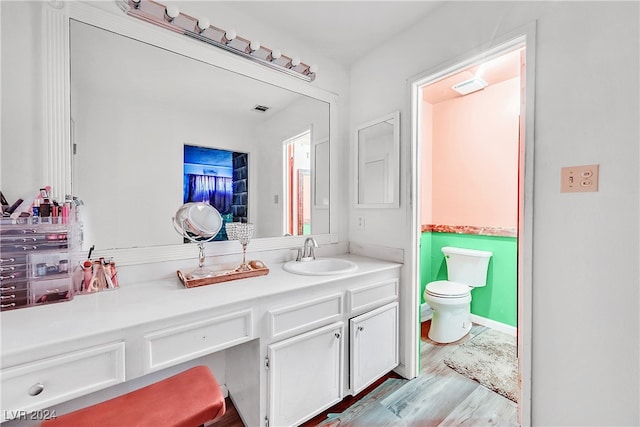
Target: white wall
x,y
585,257
22,168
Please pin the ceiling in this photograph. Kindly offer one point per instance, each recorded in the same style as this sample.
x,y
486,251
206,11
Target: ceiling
x,y
341,30
493,71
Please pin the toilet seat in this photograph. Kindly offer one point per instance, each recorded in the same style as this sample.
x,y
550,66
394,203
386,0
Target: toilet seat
x,y
447,289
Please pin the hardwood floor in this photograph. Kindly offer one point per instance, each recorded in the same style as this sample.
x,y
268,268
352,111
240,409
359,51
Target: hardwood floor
x,y
439,396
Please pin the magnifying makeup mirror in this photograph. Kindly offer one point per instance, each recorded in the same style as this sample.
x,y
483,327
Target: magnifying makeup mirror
x,y
199,222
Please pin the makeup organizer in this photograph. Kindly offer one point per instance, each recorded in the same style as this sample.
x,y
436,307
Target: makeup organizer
x,y
37,256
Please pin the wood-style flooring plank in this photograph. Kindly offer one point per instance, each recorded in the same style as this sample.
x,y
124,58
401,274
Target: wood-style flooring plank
x,y
429,398
483,407
368,410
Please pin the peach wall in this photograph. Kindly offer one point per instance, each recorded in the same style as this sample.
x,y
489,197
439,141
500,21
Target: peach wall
x,y
474,172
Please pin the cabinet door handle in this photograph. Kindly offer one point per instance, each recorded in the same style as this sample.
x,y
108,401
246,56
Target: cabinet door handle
x,y
360,328
36,389
337,335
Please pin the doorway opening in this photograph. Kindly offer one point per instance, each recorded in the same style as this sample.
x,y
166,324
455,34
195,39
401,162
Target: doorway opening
x,y
297,183
471,132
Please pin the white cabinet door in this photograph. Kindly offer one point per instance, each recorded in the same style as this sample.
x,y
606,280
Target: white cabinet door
x,y
374,345
305,375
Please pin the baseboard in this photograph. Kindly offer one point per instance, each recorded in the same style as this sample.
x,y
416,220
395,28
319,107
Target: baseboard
x,y
426,313
483,321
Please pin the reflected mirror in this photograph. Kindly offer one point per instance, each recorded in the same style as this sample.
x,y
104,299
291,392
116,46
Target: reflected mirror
x,y
134,109
377,157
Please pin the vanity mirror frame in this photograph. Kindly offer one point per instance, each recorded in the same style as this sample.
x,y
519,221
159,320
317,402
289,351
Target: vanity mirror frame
x,y
56,79
393,177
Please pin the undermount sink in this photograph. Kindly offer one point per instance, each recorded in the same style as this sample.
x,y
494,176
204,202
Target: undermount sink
x,y
320,267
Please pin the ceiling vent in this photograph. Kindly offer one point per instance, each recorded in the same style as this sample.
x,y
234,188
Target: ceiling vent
x,y
468,86
260,108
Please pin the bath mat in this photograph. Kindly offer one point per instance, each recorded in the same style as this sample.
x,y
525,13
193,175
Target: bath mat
x,y
490,358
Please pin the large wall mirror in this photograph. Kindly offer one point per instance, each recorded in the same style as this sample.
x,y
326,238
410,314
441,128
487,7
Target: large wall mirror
x,y
377,163
128,97
134,108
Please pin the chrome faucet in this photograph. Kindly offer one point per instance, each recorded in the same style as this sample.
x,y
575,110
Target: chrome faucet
x,y
307,249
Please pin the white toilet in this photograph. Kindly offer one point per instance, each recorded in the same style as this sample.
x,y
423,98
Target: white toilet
x,y
451,299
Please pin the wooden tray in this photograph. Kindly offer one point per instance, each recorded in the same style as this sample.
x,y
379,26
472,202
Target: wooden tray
x,y
257,269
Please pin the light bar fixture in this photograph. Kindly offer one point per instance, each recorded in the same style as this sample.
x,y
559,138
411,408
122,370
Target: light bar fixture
x,y
170,18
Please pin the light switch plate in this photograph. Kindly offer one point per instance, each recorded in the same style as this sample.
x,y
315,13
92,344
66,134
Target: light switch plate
x,y
579,179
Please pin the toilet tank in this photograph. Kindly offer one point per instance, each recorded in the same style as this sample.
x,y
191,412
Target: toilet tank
x,y
468,266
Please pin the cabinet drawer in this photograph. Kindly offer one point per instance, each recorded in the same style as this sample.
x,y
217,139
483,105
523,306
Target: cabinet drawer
x,y
168,347
46,382
305,316
372,296
13,299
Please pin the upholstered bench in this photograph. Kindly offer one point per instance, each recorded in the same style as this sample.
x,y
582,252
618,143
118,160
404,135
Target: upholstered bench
x,y
188,399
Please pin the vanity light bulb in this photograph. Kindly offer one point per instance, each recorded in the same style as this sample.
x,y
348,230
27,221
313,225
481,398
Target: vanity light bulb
x,y
203,24
172,12
295,62
313,68
230,35
254,45
275,54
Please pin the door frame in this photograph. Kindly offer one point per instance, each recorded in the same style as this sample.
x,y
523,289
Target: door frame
x,y
522,37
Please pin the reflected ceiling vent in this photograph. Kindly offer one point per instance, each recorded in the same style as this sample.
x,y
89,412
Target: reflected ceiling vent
x,y
260,108
469,86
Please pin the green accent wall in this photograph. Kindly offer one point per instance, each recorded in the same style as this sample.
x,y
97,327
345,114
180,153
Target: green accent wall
x,y
496,301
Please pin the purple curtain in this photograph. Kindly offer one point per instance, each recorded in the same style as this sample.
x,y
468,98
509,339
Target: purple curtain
x,y
216,190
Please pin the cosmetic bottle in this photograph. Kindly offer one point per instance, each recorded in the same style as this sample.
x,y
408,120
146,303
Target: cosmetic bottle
x,y
88,274
55,210
65,213
114,274
45,208
36,211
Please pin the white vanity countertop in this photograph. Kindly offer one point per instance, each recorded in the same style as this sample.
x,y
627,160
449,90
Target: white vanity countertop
x,y
141,303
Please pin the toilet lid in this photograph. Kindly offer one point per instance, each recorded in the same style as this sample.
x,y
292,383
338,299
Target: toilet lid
x,y
445,288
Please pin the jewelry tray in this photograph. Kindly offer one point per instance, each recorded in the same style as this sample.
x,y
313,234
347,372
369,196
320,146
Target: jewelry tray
x,y
258,268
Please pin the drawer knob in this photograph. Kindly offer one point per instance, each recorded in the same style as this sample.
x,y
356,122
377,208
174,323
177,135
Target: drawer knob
x,y
36,389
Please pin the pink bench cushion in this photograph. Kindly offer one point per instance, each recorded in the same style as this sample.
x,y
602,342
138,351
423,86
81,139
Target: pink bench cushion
x,y
188,399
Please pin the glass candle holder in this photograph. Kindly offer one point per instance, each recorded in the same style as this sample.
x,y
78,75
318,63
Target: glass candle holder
x,y
242,232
